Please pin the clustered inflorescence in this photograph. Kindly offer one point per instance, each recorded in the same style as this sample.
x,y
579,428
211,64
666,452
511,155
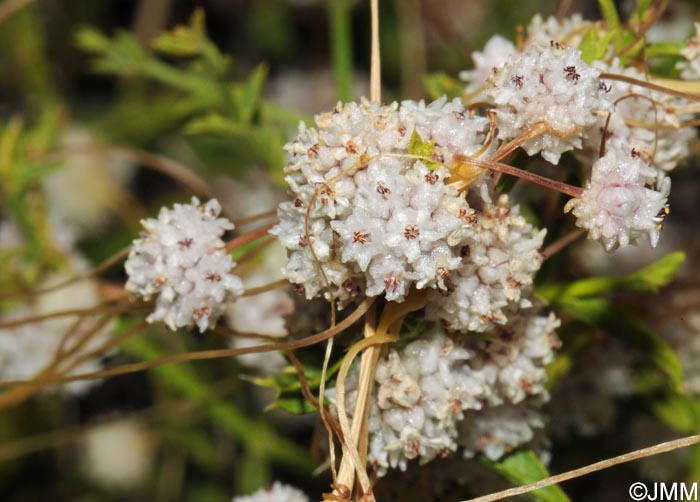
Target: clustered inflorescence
x,y
181,260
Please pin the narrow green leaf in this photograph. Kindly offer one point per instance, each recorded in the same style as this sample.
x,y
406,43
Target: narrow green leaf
x,y
91,40
600,313
522,467
665,49
648,279
609,11
211,123
653,277
247,95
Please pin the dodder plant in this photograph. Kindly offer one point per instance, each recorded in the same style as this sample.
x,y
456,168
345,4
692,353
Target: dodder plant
x,y
407,215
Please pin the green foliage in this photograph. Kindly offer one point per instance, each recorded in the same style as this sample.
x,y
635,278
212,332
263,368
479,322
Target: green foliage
x,y
258,438
287,387
222,118
423,149
600,313
648,279
523,467
595,44
582,300
441,84
680,412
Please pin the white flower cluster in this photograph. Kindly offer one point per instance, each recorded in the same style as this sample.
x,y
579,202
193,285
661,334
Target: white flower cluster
x,y
278,492
498,430
378,219
181,260
617,208
500,255
549,84
568,31
424,390
642,120
495,54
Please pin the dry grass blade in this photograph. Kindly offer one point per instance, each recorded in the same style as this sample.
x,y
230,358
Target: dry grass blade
x,y
598,466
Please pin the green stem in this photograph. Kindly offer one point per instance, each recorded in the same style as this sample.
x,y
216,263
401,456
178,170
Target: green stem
x,y
339,21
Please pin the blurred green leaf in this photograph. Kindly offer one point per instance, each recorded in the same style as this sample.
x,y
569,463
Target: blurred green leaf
x,y
648,279
441,84
523,467
609,11
594,45
665,49
247,95
183,40
680,412
600,313
191,41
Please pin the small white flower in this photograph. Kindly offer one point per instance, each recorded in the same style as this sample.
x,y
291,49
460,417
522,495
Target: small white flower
x,y
181,259
617,208
552,85
495,54
278,492
498,430
569,31
656,134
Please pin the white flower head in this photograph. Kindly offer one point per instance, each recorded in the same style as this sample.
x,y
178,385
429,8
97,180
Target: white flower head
x,y
550,85
617,206
182,261
568,31
495,54
367,216
658,136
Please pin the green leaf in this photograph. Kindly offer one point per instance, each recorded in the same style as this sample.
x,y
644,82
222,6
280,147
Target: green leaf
x,y
91,40
183,40
523,467
423,149
600,313
609,11
680,412
296,405
594,45
211,123
665,49
247,95
441,84
647,279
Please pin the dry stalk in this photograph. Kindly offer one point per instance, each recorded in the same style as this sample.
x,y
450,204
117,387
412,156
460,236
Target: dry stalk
x,y
598,466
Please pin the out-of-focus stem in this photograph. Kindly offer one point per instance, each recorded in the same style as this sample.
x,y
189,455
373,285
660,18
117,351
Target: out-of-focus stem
x,y
339,21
